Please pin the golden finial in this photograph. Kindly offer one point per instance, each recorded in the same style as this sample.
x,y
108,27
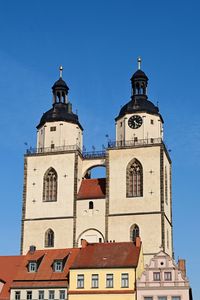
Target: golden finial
x,y
61,70
139,60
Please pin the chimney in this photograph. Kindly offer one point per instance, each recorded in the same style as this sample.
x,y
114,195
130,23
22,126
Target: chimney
x,y
182,266
138,242
32,249
84,243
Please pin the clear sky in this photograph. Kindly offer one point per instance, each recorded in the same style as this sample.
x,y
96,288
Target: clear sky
x,y
98,42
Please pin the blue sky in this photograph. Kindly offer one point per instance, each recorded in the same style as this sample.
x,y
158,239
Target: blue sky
x,y
98,42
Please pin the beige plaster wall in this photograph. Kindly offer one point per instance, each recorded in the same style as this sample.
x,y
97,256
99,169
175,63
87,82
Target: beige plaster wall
x,y
36,168
90,218
150,230
34,233
146,131
65,134
149,157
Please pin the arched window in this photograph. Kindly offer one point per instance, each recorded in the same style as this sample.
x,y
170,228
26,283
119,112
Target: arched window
x,y
91,205
134,232
49,238
50,185
134,178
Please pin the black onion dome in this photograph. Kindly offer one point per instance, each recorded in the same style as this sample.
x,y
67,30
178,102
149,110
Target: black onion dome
x,y
59,112
138,105
60,83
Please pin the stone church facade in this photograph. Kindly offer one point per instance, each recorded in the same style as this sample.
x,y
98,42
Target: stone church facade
x,y
61,203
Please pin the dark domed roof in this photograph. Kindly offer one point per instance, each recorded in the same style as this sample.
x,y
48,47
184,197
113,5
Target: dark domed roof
x,y
59,112
138,105
60,83
139,74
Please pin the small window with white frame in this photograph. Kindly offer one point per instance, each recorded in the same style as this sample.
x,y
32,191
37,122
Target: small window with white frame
x,y
176,297
17,295
156,276
124,280
148,298
80,281
58,266
109,280
29,295
53,128
95,280
162,298
51,295
32,266
167,276
41,295
62,295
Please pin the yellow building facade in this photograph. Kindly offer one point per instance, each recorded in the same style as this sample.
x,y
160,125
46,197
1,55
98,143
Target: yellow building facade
x,y
103,271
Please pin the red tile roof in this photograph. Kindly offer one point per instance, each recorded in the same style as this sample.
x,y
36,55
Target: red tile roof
x,y
107,255
8,268
45,275
92,189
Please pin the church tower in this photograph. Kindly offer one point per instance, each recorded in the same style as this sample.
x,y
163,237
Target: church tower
x,y
50,173
139,168
61,203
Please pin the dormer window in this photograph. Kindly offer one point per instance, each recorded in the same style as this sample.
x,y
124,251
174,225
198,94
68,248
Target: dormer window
x,y
58,266
32,266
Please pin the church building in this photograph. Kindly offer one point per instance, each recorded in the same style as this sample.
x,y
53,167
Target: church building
x,y
62,205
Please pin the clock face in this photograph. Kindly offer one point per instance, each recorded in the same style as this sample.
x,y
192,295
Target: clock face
x,y
135,122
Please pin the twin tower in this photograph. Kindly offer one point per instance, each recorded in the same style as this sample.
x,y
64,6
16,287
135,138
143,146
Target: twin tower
x,y
61,203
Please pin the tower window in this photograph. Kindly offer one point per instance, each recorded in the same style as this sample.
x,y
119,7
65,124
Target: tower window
x,y
49,238
53,128
135,232
91,205
134,177
152,122
50,186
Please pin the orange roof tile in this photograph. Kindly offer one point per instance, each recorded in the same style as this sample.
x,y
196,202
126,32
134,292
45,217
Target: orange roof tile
x,y
107,255
92,189
8,268
45,270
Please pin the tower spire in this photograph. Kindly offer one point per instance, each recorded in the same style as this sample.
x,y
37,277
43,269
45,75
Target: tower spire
x,y
61,71
139,61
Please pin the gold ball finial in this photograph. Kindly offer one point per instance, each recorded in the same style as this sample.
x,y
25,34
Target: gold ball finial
x,y
139,60
61,70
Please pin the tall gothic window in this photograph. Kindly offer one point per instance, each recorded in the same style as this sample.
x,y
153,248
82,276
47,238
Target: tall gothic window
x,y
134,232
49,238
134,179
50,185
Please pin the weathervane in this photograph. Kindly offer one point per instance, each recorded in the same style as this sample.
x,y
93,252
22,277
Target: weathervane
x,y
61,70
139,60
